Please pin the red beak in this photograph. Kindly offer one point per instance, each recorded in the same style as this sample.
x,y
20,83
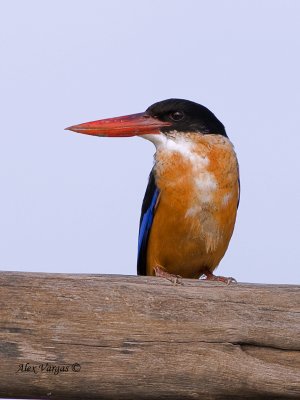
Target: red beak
x,y
129,125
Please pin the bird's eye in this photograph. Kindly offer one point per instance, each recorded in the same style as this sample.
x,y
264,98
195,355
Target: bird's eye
x,y
177,115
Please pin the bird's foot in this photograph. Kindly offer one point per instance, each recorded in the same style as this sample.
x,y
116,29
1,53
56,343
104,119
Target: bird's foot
x,y
211,277
162,273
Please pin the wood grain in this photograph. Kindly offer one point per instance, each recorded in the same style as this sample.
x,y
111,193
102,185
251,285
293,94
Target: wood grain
x,y
143,338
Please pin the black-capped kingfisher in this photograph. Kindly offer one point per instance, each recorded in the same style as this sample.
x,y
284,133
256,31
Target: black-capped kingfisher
x,y
190,205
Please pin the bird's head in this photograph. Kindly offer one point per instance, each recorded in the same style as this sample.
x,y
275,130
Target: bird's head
x,y
166,117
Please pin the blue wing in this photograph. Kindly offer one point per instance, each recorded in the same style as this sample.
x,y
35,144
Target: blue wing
x,y
147,215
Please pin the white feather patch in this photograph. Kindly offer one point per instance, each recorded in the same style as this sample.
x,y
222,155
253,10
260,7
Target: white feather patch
x,y
226,198
180,144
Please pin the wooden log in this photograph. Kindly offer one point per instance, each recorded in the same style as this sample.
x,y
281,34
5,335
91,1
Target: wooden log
x,y
124,337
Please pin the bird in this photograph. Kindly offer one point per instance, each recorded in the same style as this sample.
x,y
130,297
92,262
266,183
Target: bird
x,y
190,205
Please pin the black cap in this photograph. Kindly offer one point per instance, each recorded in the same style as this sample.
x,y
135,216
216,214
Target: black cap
x,y
186,116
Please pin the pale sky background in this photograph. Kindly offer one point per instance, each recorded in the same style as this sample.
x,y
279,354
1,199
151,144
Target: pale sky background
x,y
70,202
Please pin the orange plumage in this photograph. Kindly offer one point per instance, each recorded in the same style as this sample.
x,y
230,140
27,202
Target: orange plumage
x,y
196,210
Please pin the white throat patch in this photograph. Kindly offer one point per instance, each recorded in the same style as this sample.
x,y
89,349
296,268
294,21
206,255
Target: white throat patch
x,y
179,144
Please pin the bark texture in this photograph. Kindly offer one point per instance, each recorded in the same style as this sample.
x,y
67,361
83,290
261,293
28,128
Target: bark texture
x,y
125,337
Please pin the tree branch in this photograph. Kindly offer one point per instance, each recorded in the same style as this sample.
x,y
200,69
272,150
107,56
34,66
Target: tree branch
x,y
124,337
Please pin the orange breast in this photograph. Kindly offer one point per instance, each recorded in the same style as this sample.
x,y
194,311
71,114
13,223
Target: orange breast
x,y
198,180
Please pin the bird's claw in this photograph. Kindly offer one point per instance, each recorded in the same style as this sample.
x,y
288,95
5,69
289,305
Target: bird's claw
x,y
211,277
160,272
